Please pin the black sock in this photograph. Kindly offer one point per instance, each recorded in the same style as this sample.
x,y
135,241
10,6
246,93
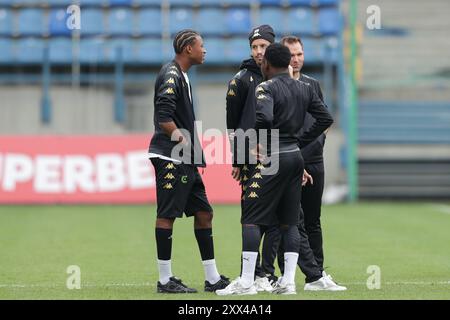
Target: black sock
x,y
291,239
205,243
163,243
251,238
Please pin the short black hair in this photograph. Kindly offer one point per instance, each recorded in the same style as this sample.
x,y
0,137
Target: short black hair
x,y
278,55
184,38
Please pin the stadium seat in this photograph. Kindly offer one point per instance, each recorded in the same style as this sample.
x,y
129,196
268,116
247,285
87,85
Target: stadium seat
x,y
210,21
92,51
58,23
180,18
59,3
236,50
149,22
6,23
329,50
93,3
307,3
184,3
300,21
311,51
31,22
327,2
30,50
126,46
329,21
92,22
238,21
121,3
149,51
6,51
273,17
120,21
24,2
147,2
215,51
276,3
215,3
61,51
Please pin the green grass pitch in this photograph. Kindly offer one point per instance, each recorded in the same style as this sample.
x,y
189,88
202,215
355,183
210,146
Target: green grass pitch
x,y
115,249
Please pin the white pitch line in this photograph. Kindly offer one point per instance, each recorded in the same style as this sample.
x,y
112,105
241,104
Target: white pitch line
x,y
441,208
147,284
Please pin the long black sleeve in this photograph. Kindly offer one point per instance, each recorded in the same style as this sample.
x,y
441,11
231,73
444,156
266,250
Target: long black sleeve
x,y
236,96
320,113
264,107
166,97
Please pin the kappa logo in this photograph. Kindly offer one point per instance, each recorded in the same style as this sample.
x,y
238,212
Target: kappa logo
x,y
253,195
260,89
173,72
169,176
168,186
260,166
169,91
244,178
245,168
233,82
261,97
257,175
231,93
255,185
170,166
171,81
256,33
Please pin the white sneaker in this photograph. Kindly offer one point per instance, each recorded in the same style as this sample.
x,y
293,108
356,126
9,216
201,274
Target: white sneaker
x,y
323,284
263,284
330,279
236,288
289,288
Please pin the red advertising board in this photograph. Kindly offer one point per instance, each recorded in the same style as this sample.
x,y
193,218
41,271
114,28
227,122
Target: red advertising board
x,y
91,169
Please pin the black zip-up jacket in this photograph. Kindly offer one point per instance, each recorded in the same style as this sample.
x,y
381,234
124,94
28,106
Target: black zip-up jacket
x,y
313,152
241,101
282,103
172,103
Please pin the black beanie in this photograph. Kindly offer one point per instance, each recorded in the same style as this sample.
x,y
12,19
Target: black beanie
x,y
262,32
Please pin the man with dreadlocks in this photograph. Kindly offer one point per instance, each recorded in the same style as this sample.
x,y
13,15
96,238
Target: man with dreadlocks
x,y
180,188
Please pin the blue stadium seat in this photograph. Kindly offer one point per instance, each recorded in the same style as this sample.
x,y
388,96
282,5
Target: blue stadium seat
x,y
149,22
307,3
216,3
210,21
236,50
238,21
6,22
120,21
24,2
31,22
149,51
328,2
126,46
92,22
277,3
121,3
329,49
184,3
92,3
92,51
6,51
300,20
30,50
59,3
329,21
215,51
273,17
180,18
311,51
147,2
60,51
58,23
